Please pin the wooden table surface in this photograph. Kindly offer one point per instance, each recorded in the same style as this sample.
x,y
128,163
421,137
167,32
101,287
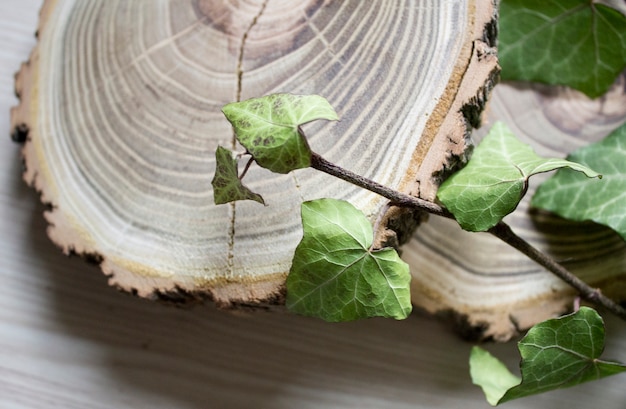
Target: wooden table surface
x,y
67,340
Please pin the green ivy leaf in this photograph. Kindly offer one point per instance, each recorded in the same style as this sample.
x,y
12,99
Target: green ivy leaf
x,y
603,202
557,353
578,43
336,276
495,179
269,128
491,375
227,186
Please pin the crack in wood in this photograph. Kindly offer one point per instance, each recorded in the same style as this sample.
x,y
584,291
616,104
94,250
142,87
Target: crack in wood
x,y
233,207
244,38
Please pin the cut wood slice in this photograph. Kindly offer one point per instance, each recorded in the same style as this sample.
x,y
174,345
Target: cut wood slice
x,y
120,106
492,290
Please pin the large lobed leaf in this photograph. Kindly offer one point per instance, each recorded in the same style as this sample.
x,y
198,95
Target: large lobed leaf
x,y
603,202
578,43
269,128
495,179
336,276
557,353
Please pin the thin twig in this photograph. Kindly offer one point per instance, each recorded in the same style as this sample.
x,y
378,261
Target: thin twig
x,y
245,170
396,198
506,234
501,231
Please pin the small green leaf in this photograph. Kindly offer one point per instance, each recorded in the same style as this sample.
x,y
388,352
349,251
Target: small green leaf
x,y
491,375
336,276
603,202
557,353
578,43
495,179
269,128
227,186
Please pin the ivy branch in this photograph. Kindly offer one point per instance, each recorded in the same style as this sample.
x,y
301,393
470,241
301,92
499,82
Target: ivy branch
x,y
477,198
501,230
270,130
336,275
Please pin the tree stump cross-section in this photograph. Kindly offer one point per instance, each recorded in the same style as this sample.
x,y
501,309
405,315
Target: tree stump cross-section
x,y
120,103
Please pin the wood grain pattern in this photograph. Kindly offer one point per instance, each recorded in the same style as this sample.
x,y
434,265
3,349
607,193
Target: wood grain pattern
x,y
122,101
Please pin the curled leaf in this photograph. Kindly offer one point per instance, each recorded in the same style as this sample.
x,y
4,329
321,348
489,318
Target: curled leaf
x,y
227,186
